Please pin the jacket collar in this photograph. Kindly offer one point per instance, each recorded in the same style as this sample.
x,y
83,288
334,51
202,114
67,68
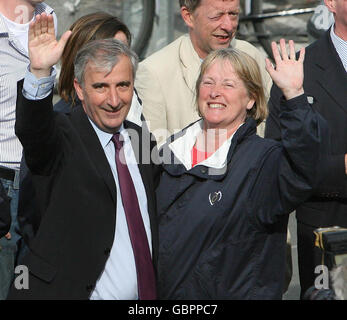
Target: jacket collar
x,y
94,148
190,62
173,166
333,76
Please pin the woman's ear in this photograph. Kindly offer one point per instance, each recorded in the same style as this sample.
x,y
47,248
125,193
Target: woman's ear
x,y
250,104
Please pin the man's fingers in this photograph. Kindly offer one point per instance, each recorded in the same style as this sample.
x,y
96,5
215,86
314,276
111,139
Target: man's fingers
x,y
50,24
64,38
8,236
44,24
37,26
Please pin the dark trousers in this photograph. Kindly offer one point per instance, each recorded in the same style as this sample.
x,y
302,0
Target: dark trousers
x,y
309,256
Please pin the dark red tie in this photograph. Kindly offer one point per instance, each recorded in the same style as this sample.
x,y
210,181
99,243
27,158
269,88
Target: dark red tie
x,y
144,266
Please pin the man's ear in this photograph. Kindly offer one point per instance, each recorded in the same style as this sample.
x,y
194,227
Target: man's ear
x,y
78,89
331,5
187,17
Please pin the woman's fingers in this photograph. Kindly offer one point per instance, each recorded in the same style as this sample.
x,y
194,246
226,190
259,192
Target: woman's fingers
x,y
282,53
283,49
302,55
291,50
275,52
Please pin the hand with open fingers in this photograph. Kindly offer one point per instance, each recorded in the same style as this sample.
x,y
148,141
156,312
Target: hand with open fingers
x,y
44,49
288,74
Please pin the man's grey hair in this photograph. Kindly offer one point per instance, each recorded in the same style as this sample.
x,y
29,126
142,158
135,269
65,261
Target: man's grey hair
x,y
190,4
104,54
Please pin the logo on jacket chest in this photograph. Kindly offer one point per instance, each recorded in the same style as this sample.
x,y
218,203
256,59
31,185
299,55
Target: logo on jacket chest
x,y
214,197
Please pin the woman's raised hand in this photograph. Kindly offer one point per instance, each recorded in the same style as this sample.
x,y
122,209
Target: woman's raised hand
x,y
288,74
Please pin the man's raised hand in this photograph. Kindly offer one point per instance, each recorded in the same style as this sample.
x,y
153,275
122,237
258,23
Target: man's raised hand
x,y
44,49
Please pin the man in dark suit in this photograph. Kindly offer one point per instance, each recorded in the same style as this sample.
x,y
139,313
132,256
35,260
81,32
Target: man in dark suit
x,y
325,84
93,175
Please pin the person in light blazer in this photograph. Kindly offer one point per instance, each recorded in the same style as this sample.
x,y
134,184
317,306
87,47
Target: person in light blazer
x,y
166,80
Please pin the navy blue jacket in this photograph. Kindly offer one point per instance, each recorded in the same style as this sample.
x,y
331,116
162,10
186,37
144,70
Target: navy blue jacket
x,y
222,235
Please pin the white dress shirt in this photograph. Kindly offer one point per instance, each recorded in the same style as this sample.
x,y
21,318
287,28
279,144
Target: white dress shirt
x,y
118,281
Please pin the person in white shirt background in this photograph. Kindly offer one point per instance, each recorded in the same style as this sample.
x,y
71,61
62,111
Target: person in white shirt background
x,y
15,16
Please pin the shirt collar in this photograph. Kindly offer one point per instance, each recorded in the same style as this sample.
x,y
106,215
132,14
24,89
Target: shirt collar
x,y
105,137
340,46
135,111
183,146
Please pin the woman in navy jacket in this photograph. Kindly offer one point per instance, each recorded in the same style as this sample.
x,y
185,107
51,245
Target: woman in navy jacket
x,y
225,193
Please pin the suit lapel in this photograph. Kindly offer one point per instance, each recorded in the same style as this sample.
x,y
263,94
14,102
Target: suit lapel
x,y
190,63
333,77
139,139
94,148
97,156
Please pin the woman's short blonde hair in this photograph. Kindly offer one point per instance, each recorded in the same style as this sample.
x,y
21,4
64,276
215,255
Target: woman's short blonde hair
x,y
248,71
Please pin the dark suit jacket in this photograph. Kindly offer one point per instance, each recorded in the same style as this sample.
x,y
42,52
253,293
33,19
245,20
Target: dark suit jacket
x,y
326,83
77,194
28,213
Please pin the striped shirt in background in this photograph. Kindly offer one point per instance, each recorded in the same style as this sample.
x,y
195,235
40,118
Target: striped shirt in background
x,y
13,65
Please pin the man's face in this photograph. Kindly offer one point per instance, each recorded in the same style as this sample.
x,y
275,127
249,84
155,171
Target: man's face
x,y
106,98
213,25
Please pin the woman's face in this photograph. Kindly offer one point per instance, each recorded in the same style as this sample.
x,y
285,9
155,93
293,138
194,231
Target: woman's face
x,y
120,35
223,98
